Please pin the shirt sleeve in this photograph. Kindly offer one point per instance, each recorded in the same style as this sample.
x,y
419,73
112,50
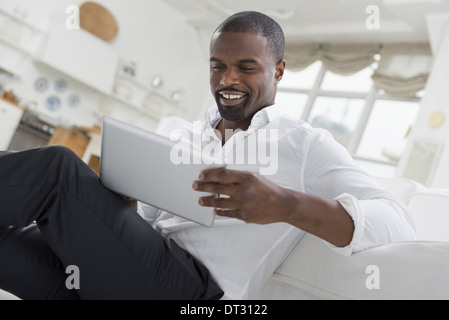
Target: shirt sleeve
x,y
379,217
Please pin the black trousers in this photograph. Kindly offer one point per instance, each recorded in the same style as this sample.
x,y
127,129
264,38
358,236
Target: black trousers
x,y
55,213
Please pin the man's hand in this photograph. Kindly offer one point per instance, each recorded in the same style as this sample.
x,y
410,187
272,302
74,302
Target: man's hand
x,y
249,196
255,199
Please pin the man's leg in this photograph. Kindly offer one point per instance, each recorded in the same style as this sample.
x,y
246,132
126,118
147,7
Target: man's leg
x,y
29,269
118,254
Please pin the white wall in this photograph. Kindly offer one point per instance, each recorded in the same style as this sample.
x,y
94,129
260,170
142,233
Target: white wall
x,y
152,34
436,99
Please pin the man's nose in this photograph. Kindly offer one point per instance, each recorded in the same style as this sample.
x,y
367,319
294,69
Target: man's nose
x,y
229,78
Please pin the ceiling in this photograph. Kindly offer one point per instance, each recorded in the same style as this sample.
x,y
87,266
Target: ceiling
x,y
333,21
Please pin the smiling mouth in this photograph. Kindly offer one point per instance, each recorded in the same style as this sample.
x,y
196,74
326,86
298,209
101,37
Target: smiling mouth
x,y
231,98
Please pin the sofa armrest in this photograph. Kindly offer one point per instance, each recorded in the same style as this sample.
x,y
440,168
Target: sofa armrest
x,y
407,270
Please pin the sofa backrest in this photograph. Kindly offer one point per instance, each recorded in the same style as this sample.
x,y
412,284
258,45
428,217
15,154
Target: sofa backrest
x,y
403,188
428,206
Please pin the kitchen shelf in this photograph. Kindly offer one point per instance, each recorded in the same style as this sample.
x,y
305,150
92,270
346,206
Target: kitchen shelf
x,y
135,106
9,70
133,81
91,61
22,21
148,89
145,98
15,45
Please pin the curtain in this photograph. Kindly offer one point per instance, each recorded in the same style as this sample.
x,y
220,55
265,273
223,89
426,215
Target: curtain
x,y
344,59
349,58
402,71
299,57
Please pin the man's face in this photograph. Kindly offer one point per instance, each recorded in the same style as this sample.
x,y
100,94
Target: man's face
x,y
243,74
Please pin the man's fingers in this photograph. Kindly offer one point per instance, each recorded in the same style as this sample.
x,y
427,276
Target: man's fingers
x,y
213,187
221,175
230,213
217,202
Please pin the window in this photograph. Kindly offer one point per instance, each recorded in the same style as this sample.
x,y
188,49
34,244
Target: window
x,y
301,80
385,135
338,115
293,103
372,126
295,87
359,82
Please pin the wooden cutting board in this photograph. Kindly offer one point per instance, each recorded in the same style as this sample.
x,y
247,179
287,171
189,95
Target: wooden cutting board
x,y
97,20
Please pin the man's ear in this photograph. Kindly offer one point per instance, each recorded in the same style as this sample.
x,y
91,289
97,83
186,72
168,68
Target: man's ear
x,y
280,67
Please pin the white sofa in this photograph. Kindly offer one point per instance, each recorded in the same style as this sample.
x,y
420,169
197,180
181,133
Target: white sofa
x,y
416,270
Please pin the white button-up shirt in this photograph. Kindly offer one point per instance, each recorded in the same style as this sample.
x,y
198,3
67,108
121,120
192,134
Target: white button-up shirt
x,y
241,257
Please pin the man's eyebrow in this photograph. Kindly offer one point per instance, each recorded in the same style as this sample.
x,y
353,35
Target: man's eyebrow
x,y
213,59
248,61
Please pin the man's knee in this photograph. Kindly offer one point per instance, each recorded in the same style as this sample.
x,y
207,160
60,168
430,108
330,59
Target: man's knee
x,y
60,160
57,152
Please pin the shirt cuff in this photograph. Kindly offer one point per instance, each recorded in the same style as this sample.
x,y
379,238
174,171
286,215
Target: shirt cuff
x,y
353,207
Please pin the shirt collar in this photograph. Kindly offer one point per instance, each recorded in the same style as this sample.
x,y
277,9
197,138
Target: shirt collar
x,y
260,119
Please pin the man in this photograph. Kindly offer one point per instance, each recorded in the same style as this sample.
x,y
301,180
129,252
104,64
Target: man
x,y
316,188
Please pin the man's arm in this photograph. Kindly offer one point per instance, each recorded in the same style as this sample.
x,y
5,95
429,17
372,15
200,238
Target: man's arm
x,y
255,199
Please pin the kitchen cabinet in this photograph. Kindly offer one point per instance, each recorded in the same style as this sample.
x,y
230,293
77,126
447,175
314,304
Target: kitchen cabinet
x,y
10,116
81,56
93,62
20,37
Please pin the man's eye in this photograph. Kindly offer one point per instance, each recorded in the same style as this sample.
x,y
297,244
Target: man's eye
x,y
247,68
217,67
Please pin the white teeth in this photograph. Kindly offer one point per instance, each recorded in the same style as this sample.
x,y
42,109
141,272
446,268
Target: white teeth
x,y
232,96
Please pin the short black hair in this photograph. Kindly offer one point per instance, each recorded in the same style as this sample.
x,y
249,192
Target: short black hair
x,y
254,22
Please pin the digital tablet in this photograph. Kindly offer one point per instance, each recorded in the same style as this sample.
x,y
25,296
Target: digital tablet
x,y
137,163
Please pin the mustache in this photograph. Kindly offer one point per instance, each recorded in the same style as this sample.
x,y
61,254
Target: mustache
x,y
231,89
